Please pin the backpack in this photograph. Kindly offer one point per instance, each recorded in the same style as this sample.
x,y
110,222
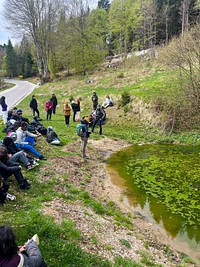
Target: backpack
x,y
79,130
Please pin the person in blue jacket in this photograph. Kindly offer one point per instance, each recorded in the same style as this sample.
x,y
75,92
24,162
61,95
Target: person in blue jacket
x,y
86,134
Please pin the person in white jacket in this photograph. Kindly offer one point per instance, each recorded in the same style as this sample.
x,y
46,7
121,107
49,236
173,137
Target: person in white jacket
x,y
26,140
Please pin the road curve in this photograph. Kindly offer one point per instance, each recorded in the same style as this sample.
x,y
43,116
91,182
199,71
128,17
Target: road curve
x,y
15,94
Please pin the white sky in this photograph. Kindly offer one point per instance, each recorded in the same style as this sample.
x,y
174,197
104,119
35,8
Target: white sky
x,y
5,35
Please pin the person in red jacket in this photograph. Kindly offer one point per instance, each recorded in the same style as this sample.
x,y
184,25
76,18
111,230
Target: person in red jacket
x,y
49,108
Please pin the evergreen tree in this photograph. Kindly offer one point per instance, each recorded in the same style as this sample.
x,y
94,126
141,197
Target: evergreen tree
x,y
10,64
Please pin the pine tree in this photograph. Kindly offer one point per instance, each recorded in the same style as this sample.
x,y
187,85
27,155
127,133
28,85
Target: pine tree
x,y
10,60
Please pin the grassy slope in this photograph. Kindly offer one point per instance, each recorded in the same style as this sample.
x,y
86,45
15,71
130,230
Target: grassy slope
x,y
24,215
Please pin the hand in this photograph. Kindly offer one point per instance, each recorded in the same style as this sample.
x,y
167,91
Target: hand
x,y
22,248
9,155
20,166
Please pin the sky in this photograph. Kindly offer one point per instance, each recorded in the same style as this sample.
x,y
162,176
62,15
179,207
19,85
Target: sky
x,y
4,35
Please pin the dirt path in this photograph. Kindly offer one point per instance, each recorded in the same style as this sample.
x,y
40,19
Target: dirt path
x,y
100,234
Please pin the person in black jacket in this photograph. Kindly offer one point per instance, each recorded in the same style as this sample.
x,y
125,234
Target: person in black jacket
x,y
94,100
34,106
99,117
55,103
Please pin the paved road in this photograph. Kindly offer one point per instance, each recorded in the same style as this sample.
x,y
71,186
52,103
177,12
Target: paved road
x,y
17,93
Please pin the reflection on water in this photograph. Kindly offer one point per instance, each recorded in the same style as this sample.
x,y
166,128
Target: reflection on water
x,y
164,181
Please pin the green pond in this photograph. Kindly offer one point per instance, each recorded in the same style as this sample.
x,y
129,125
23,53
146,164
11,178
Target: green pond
x,y
164,182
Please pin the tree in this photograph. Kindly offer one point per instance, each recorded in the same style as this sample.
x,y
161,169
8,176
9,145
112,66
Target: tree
x,y
10,60
37,18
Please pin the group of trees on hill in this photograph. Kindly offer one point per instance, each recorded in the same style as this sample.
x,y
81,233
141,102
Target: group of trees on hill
x,y
71,35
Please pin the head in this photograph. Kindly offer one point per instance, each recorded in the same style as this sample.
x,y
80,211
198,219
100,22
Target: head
x,y
72,102
35,118
13,136
33,96
66,103
50,128
94,93
8,246
7,141
98,106
86,118
17,124
19,112
3,154
53,94
24,125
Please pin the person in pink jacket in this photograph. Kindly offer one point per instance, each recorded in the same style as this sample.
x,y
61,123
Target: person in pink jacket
x,y
49,108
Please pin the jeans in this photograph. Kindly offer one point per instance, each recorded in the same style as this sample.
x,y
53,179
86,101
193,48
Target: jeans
x,y
100,125
67,120
19,156
49,113
30,149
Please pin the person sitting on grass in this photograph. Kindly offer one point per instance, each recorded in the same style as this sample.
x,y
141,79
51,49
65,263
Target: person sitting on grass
x,y
12,255
52,137
39,127
9,168
26,140
4,195
15,154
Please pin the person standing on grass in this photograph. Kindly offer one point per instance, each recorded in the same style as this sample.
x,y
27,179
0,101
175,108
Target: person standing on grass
x,y
94,100
55,103
4,109
66,111
48,108
34,106
86,134
99,117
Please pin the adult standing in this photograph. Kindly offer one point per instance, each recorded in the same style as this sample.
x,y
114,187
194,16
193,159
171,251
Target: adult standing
x,y
55,103
49,108
4,109
74,108
66,111
34,106
94,100
86,134
78,110
99,116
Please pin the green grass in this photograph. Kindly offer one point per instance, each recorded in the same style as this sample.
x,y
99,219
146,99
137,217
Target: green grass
x,y
59,243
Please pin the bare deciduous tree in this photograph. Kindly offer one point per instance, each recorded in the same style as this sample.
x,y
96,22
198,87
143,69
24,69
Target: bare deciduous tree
x,y
38,18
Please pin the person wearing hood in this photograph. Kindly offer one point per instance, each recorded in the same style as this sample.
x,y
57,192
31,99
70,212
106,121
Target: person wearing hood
x,y
66,111
86,134
52,137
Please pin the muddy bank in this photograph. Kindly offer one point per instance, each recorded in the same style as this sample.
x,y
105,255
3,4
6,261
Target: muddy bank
x,y
100,234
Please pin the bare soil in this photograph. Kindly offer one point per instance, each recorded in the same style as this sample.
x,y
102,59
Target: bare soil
x,y
101,235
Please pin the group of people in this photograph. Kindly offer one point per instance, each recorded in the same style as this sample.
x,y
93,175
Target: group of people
x,y
50,106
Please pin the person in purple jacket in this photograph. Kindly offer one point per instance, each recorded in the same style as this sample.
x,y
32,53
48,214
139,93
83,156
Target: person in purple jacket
x,y
4,109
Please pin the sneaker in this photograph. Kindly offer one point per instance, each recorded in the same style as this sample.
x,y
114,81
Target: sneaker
x,y
85,157
10,197
29,167
36,159
42,158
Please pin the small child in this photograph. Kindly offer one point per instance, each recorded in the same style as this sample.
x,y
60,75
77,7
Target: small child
x,y
4,195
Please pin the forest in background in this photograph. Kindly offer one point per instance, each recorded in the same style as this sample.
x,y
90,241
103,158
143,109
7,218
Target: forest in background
x,y
71,36
67,37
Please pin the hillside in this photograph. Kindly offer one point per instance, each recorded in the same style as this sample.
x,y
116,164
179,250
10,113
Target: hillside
x,y
81,217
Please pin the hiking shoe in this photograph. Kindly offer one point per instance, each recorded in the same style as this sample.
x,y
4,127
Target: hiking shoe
x,y
42,158
85,157
10,197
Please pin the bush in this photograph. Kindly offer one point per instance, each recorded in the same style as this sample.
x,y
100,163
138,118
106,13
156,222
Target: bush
x,y
125,99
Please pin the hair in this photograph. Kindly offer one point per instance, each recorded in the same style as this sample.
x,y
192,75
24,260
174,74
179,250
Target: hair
x,y
8,246
24,124
3,154
33,96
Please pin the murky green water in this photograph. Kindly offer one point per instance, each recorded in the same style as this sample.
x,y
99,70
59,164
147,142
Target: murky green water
x,y
164,181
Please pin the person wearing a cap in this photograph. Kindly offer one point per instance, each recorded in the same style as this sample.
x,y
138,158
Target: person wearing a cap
x,y
94,100
85,124
99,117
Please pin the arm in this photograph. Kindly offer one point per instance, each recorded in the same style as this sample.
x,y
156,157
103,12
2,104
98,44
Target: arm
x,y
12,169
34,258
